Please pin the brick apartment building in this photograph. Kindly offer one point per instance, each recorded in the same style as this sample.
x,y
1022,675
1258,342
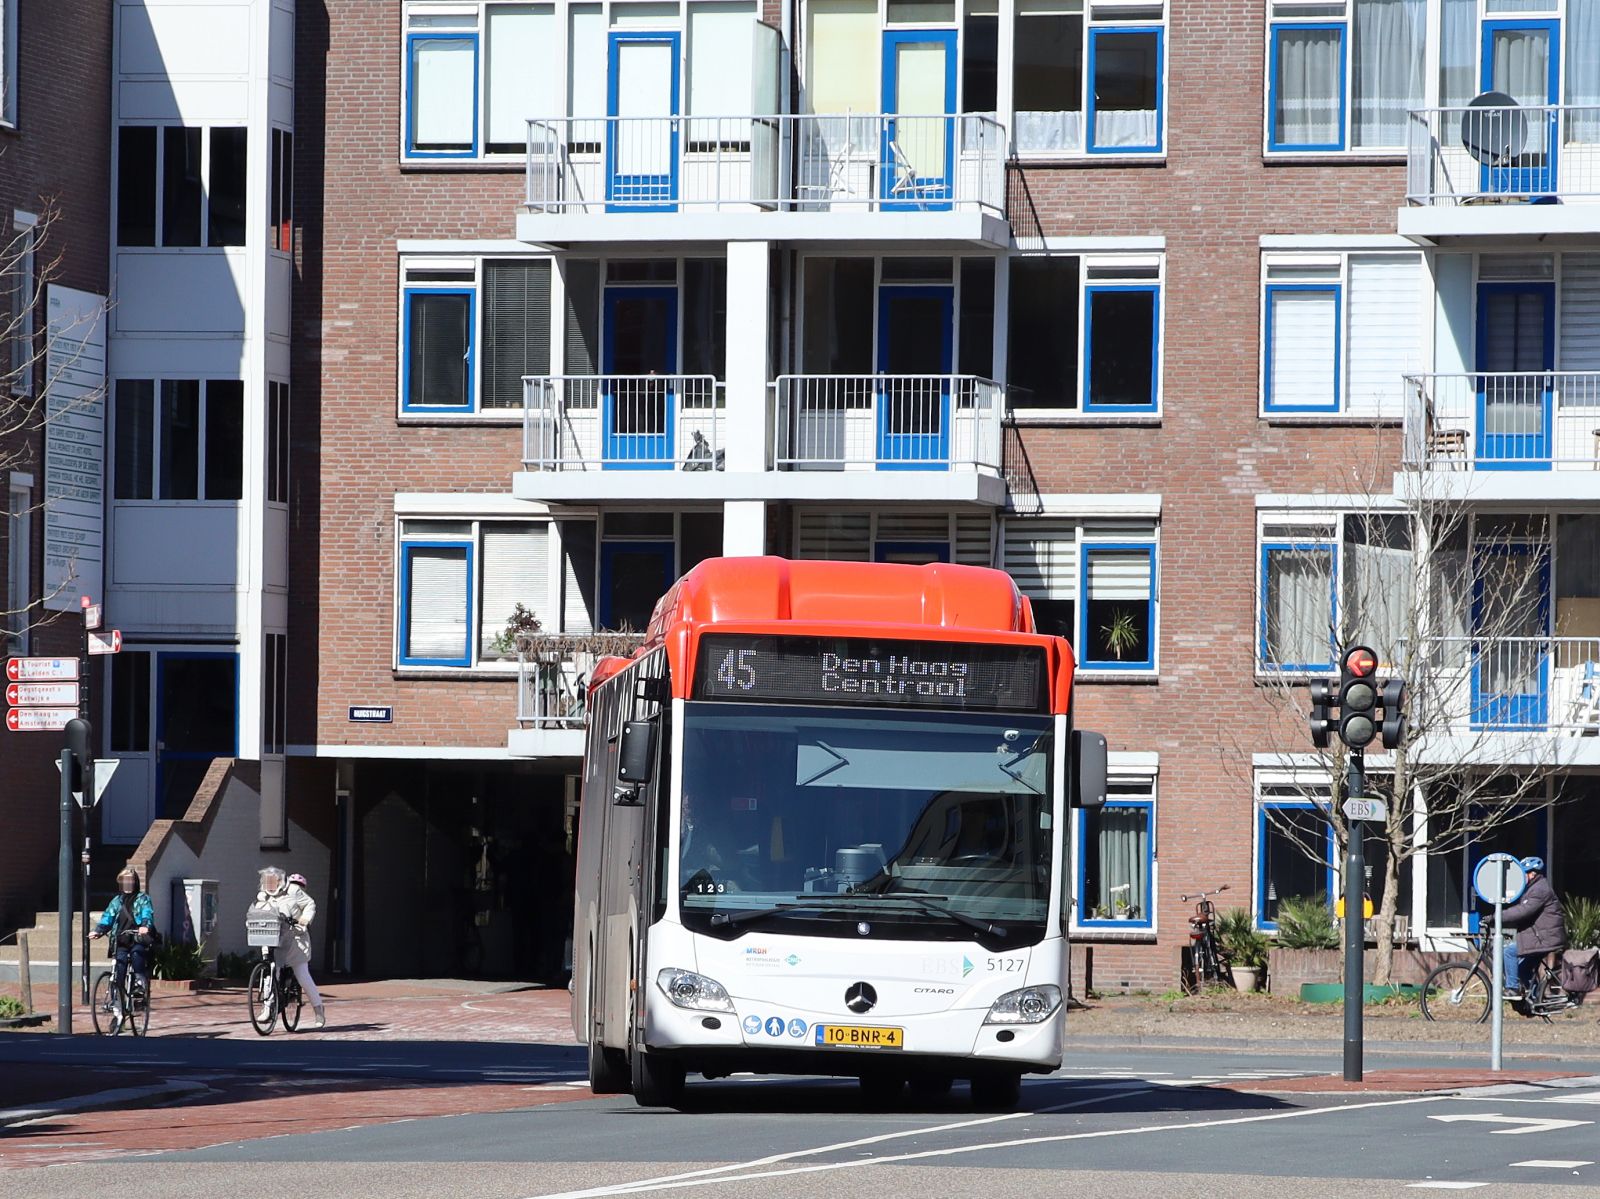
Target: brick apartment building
x,y
1166,308
55,200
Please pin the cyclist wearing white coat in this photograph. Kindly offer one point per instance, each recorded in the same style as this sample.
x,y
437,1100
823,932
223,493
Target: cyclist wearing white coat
x,y
286,895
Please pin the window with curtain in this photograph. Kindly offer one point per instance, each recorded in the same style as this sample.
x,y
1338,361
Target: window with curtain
x,y
516,328
515,570
1458,63
721,37
1047,76
438,349
521,72
1119,608
1378,583
1297,606
1583,70
1115,843
1349,78
1126,90
442,116
1386,65
435,613
1307,87
1302,345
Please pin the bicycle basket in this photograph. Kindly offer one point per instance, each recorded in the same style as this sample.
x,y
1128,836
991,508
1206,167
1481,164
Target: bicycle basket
x,y
261,927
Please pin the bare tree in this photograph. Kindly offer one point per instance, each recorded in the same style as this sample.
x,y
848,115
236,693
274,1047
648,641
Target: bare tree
x,y
1455,604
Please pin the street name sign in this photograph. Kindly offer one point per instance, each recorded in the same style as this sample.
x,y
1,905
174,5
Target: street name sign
x,y
41,670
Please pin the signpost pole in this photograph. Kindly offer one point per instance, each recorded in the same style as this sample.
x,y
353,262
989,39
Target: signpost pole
x,y
87,768
1497,1020
1355,870
64,903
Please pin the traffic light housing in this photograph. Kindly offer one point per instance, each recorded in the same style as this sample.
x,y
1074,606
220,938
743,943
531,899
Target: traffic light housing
x,y
1323,722
1358,696
1393,700
78,745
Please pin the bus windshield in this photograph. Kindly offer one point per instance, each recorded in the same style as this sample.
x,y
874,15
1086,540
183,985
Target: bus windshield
x,y
910,824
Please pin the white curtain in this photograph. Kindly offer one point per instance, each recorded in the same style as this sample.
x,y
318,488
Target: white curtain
x,y
1299,605
1309,87
1038,131
1389,37
1125,127
1583,70
1458,63
515,568
438,603
721,38
1122,858
443,90
1522,66
1380,585
522,70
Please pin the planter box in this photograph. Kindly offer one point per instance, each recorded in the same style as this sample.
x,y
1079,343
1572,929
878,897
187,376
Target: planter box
x,y
1289,969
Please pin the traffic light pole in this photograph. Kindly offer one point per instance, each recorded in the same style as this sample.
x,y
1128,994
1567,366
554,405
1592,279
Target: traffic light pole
x,y
64,903
1355,941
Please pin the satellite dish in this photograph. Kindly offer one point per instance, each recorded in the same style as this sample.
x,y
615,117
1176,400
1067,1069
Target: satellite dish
x,y
1494,129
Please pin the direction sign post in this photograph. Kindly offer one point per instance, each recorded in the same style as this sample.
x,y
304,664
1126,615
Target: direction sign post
x,y
41,670
1498,879
1365,809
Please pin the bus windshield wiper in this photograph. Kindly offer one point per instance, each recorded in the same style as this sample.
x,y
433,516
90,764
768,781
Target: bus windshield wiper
x,y
930,905
722,919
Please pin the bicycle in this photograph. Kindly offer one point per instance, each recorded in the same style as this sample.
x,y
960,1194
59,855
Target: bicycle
x,y
1463,992
1209,965
274,992
124,1008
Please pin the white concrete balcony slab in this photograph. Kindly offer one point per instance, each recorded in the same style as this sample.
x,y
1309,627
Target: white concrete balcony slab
x,y
1518,171
884,177
1504,436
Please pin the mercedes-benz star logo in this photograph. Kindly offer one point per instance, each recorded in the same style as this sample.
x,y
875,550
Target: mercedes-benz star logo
x,y
861,998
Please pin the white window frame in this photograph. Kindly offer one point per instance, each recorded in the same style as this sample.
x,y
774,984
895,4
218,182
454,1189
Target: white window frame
x,y
472,541
1329,269
1100,532
26,295
1127,787
1109,270
204,246
155,497
19,552
8,63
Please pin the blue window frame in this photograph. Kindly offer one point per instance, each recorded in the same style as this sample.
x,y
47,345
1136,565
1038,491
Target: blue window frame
x,y
917,155
1287,136
448,639
1290,835
1288,629
439,350
1116,865
443,42
1124,75
1117,586
642,164
1295,324
1122,354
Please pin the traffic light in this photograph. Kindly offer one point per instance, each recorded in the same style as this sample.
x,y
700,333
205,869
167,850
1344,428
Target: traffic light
x,y
1358,697
78,744
1393,699
1323,723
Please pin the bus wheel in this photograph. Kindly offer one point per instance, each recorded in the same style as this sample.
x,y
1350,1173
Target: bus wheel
x,y
607,1074
996,1092
657,1081
931,1086
882,1090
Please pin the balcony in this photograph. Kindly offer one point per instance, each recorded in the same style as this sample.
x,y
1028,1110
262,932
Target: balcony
x,y
1530,170
905,436
727,178
553,671
1530,699
1505,435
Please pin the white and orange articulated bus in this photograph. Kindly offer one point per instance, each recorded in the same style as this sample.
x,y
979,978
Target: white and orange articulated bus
x,y
824,831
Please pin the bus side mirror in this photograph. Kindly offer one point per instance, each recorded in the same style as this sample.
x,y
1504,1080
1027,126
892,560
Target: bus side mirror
x,y
636,760
1089,769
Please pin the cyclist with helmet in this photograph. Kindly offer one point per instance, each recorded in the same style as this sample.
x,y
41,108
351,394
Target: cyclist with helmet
x,y
286,894
1540,927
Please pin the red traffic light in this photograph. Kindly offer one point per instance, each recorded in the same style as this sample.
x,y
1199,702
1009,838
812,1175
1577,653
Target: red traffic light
x,y
1360,661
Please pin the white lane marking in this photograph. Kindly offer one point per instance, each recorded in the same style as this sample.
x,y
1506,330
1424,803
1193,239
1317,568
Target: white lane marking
x,y
1521,1124
678,1182
1446,1186
1540,1163
1586,1097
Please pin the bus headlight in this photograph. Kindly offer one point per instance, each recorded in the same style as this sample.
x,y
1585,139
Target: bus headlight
x,y
1027,1006
687,989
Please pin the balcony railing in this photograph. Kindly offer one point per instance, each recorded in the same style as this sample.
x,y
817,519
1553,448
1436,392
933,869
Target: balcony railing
x,y
622,422
1543,153
778,163
553,671
887,422
1525,420
1518,684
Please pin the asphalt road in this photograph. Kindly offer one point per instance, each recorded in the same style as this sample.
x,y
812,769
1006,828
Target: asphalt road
x,y
1115,1123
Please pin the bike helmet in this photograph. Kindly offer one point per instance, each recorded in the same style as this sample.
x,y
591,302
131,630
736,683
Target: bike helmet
x,y
1533,862
298,879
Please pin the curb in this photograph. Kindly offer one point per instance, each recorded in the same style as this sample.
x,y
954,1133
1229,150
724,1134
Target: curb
x,y
100,1099
1528,1053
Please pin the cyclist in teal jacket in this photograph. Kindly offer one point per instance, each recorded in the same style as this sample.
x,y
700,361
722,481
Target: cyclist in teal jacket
x,y
129,918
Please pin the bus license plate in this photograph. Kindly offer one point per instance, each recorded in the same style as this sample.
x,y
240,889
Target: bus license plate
x,y
860,1036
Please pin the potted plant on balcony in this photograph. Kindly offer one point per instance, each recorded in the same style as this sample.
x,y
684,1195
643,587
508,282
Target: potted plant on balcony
x,y
521,623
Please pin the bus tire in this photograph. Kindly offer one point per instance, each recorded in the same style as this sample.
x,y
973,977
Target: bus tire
x,y
657,1081
607,1075
882,1091
996,1092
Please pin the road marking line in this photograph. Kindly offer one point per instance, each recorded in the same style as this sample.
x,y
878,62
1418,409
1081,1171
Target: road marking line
x,y
1446,1186
699,1177
1523,1124
1539,1163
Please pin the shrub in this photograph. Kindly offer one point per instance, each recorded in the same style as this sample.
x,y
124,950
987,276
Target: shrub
x,y
174,961
1244,944
10,1007
234,965
1306,922
1583,921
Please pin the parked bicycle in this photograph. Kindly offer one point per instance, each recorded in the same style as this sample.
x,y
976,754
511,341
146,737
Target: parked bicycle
x,y
124,1008
274,991
1462,992
1209,965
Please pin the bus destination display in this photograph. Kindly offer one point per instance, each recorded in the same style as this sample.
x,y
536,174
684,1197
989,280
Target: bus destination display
x,y
872,672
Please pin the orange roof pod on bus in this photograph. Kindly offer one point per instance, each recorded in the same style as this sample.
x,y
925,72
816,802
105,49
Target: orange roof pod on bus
x,y
936,602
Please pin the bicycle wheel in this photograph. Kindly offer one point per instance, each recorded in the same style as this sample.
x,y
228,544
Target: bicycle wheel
x,y
291,1000
136,1003
263,998
100,1005
1456,993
